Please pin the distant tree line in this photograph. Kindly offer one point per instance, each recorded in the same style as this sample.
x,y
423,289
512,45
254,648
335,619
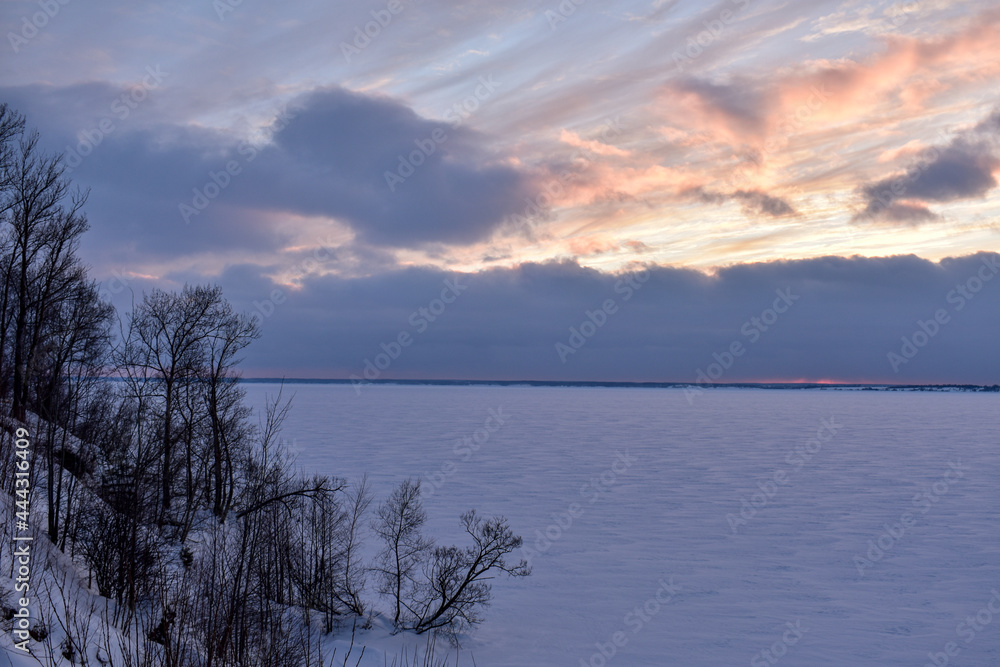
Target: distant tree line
x,y
177,503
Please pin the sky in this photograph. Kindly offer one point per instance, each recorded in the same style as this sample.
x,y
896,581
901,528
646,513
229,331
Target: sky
x,y
513,168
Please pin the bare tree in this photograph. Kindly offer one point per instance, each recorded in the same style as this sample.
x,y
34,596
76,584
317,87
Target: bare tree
x,y
11,127
398,522
315,556
76,351
456,585
358,501
53,325
123,551
324,554
229,333
165,336
45,226
269,478
72,609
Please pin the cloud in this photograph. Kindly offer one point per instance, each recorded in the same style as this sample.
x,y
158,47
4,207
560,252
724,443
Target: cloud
x,y
849,314
897,78
762,203
990,124
330,155
732,111
599,147
959,171
699,106
396,178
754,202
908,213
963,169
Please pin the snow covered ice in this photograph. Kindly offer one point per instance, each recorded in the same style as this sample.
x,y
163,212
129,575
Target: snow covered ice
x,y
733,529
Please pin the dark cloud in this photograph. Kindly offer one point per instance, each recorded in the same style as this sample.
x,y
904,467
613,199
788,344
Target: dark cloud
x,y
344,152
959,171
963,169
990,124
754,202
329,155
904,212
762,203
849,315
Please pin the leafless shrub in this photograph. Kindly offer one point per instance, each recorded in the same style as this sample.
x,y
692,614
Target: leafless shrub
x,y
398,522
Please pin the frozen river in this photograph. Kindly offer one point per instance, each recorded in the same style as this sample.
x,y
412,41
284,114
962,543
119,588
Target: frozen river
x,y
740,527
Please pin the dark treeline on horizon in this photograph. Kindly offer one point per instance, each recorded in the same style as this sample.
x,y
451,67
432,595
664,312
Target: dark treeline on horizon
x,y
650,385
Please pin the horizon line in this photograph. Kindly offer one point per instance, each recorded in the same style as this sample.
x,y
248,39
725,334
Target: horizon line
x,y
627,383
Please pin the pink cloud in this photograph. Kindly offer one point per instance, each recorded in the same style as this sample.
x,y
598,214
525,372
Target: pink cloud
x,y
909,73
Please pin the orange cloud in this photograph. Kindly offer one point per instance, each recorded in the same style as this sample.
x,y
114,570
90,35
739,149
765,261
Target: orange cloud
x,y
598,147
819,93
910,71
909,149
603,181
